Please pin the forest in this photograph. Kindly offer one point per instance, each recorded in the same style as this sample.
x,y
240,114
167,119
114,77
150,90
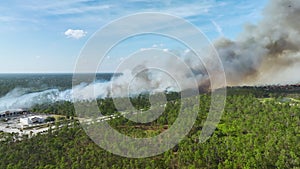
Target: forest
x,y
258,129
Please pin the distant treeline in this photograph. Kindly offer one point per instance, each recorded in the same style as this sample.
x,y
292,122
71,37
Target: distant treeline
x,y
266,91
105,105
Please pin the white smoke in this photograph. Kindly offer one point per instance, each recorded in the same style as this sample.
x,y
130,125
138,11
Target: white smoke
x,y
18,98
266,53
22,98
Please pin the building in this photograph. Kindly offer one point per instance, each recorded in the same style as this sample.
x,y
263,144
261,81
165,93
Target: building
x,y
25,121
31,120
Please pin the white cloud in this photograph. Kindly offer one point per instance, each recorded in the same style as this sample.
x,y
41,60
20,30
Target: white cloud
x,y
186,51
188,10
154,45
77,10
6,19
143,49
76,34
218,28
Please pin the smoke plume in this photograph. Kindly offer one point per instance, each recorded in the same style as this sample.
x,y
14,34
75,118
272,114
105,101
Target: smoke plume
x,y
266,53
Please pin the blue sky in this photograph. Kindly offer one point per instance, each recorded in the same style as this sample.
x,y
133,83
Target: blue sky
x,y
47,36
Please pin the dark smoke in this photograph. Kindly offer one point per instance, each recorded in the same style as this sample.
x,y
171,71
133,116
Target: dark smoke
x,y
266,53
263,54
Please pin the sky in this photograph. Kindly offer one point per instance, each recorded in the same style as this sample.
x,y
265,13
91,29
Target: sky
x,y
47,36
